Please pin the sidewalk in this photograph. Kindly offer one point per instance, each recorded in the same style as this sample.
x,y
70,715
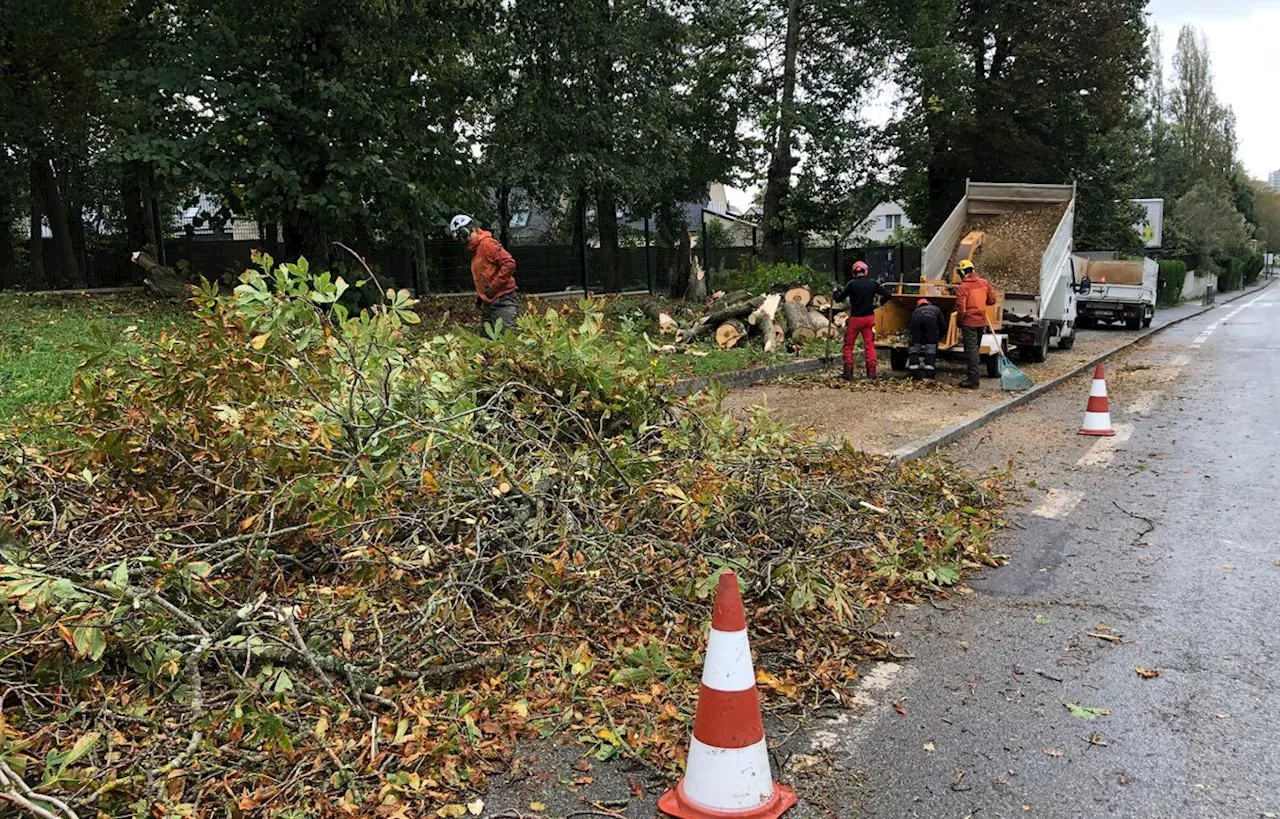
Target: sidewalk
x,y
896,417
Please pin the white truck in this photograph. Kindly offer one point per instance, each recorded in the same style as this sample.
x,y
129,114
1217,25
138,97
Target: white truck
x,y
1119,291
1040,292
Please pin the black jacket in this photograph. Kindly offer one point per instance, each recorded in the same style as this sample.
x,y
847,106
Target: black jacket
x,y
926,324
861,293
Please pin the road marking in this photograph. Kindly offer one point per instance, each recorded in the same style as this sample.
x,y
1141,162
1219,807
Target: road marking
x,y
1103,452
1145,404
850,727
1058,503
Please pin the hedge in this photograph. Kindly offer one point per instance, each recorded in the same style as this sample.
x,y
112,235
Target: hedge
x,y
1173,276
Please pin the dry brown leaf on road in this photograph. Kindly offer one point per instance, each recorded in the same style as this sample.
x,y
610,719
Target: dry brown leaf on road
x,y
900,708
1147,673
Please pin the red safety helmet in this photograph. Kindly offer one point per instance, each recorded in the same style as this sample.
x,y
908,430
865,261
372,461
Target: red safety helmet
x,y
860,269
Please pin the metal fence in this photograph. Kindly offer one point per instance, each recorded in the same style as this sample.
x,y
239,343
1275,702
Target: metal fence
x,y
445,265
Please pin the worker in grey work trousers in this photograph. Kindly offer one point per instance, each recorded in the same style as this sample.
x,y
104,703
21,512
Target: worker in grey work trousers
x,y
926,330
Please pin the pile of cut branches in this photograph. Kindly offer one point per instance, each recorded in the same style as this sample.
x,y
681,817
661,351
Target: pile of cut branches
x,y
290,560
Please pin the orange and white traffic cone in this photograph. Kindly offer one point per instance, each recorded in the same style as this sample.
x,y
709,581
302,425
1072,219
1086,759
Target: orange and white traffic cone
x,y
727,774
1097,415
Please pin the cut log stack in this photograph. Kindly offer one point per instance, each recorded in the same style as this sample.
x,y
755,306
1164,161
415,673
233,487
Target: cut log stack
x,y
736,318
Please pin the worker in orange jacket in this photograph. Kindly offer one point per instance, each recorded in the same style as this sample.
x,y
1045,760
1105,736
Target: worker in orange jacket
x,y
493,273
973,296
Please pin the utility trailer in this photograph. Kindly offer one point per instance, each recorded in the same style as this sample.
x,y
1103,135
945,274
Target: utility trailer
x,y
1118,291
893,323
1025,253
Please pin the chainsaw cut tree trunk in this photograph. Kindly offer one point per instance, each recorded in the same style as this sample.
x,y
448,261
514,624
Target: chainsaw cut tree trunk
x,y
821,324
720,316
797,320
730,333
798,295
734,297
762,318
161,280
666,324
820,303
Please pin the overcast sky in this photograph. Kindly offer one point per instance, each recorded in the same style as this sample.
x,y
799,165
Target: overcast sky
x,y
1244,41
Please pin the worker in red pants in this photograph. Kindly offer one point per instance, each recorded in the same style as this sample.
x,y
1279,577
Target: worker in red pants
x,y
862,292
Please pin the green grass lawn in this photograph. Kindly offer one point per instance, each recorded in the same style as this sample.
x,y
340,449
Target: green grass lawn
x,y
39,340
39,336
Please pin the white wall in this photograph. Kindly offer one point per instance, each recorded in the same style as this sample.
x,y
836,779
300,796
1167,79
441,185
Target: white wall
x,y
1195,285
875,228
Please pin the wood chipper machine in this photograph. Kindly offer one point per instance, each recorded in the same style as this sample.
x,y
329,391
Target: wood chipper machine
x,y
893,324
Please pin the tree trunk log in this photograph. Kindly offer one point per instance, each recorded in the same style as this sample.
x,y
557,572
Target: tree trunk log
x,y
798,295
797,320
163,281
734,297
666,324
718,317
730,333
697,290
763,319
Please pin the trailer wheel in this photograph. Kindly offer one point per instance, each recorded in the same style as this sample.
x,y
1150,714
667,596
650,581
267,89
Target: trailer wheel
x,y
898,358
993,366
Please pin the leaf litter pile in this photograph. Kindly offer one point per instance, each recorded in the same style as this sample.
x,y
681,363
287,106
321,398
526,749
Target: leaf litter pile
x,y
290,562
1013,245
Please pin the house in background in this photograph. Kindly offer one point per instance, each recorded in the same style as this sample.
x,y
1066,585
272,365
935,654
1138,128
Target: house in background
x,y
885,220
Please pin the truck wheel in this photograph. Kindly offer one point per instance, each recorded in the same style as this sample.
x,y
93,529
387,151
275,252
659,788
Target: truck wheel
x,y
1036,353
1151,314
1066,342
898,358
993,366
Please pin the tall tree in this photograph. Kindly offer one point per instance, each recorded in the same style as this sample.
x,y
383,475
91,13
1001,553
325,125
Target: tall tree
x,y
1000,92
812,86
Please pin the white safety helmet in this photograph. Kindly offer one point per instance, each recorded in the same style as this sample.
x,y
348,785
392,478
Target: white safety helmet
x,y
459,222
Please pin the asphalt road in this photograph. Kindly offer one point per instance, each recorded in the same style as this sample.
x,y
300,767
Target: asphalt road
x,y
1163,538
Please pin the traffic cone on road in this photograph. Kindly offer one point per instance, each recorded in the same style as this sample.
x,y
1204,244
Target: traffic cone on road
x,y
727,774
1097,415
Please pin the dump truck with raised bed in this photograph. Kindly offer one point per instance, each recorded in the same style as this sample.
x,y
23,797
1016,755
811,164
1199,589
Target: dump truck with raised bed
x,y
1119,291
893,321
1019,236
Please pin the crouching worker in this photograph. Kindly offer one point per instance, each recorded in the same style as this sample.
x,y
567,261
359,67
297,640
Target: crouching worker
x,y
926,330
493,273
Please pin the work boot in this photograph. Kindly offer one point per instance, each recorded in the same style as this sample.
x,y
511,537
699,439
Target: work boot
x,y
848,373
871,373
968,385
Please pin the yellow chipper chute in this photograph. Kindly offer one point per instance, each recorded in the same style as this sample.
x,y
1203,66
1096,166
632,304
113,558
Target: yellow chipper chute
x,y
893,324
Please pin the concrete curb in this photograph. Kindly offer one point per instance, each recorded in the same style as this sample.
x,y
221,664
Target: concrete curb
x,y
932,444
745,378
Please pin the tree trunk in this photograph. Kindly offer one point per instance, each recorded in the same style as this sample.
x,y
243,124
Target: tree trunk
x,y
607,229
730,333
8,259
720,316
666,324
70,273
504,215
762,320
135,218
797,319
778,178
421,278
680,282
38,277
579,239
